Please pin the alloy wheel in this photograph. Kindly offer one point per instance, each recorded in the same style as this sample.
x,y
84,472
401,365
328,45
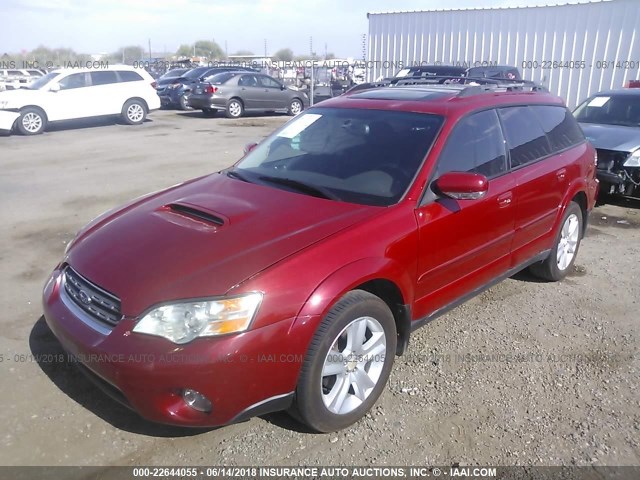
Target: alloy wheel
x,y
568,243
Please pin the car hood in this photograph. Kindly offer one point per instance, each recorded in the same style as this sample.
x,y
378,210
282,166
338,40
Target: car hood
x,y
202,238
17,98
612,137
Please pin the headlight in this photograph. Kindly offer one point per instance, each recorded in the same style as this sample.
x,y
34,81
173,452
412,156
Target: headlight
x,y
633,160
182,322
175,85
3,103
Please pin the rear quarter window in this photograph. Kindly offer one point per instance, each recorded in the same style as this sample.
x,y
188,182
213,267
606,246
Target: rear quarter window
x,y
129,76
526,139
560,126
103,78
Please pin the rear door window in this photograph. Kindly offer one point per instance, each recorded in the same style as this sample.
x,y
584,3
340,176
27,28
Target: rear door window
x,y
268,82
248,81
475,145
560,126
103,78
526,139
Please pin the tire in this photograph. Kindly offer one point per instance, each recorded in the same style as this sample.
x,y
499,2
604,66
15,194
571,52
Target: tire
x,y
32,121
295,107
235,108
209,112
134,112
565,248
184,103
327,401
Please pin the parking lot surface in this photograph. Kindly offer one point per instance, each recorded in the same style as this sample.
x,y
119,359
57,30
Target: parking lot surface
x,y
528,373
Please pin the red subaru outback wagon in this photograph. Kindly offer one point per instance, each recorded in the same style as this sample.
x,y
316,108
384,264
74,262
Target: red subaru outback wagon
x,y
291,280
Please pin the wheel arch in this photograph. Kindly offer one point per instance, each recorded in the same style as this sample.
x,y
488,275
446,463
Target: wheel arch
x,y
379,276
37,107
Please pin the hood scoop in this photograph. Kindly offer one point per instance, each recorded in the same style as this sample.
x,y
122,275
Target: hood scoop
x,y
196,213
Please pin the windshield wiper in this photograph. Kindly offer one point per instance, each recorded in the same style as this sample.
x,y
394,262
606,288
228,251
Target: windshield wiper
x,y
301,186
238,175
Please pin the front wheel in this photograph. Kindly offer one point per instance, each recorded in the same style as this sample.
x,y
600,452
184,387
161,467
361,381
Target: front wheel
x,y
347,364
31,121
565,249
295,107
134,112
184,103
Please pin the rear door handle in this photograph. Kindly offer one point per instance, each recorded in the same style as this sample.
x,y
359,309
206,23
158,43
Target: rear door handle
x,y
505,199
561,174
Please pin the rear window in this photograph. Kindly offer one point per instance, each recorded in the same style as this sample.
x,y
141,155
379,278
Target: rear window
x,y
526,140
103,78
129,76
558,123
219,78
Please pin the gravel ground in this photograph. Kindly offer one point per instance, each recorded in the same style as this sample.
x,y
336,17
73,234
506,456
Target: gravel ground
x,y
527,373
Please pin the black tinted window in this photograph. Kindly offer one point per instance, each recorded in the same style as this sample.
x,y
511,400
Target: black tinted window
x,y
75,80
219,78
611,110
475,145
129,76
561,128
525,137
103,78
248,81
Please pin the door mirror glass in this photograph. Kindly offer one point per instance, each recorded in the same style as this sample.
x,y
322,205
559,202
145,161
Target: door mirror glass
x,y
462,185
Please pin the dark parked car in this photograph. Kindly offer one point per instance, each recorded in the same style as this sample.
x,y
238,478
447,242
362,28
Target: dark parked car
x,y
292,279
611,121
498,72
436,74
175,93
238,92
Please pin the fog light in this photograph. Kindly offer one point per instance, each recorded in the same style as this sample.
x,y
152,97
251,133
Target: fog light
x,y
196,400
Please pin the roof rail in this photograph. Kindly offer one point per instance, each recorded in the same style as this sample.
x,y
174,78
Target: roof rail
x,y
470,86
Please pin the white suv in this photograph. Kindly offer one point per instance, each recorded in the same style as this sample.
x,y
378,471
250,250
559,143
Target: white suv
x,y
79,93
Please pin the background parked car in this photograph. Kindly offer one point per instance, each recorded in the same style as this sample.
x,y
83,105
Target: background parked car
x,y
611,121
176,92
78,93
239,92
10,79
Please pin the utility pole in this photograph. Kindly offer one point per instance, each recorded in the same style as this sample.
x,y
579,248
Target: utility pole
x,y
226,51
149,49
311,46
364,47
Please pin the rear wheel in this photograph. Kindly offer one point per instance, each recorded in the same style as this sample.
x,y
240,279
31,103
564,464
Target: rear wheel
x,y
184,103
565,249
31,121
347,364
235,109
134,112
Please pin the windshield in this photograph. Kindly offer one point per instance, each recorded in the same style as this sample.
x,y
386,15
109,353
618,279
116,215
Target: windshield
x,y
360,156
42,81
174,73
195,73
610,110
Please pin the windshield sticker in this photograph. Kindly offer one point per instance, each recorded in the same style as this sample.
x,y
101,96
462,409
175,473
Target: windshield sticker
x,y
297,126
598,101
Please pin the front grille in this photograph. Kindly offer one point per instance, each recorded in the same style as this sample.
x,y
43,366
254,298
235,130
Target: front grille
x,y
98,304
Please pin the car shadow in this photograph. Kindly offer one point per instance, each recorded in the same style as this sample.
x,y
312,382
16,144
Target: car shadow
x,y
619,201
69,379
199,114
83,123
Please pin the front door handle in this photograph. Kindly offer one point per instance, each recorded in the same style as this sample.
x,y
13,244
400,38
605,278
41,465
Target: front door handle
x,y
561,174
505,199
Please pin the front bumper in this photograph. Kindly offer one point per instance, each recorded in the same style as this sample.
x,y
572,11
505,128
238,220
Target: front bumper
x,y
242,374
7,119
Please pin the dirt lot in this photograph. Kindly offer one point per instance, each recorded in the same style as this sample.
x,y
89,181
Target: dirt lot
x,y
527,373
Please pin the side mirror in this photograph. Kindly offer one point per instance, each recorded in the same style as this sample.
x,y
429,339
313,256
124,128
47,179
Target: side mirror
x,y
462,185
249,146
283,86
55,87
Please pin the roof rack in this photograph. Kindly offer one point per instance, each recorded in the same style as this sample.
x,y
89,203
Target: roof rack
x,y
469,86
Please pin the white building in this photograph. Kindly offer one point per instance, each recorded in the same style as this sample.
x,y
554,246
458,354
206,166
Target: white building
x,y
574,49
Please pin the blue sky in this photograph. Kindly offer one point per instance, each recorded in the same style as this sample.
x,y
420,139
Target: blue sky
x,y
101,26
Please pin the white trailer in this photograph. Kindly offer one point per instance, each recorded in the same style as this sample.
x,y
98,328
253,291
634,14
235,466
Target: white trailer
x,y
574,49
